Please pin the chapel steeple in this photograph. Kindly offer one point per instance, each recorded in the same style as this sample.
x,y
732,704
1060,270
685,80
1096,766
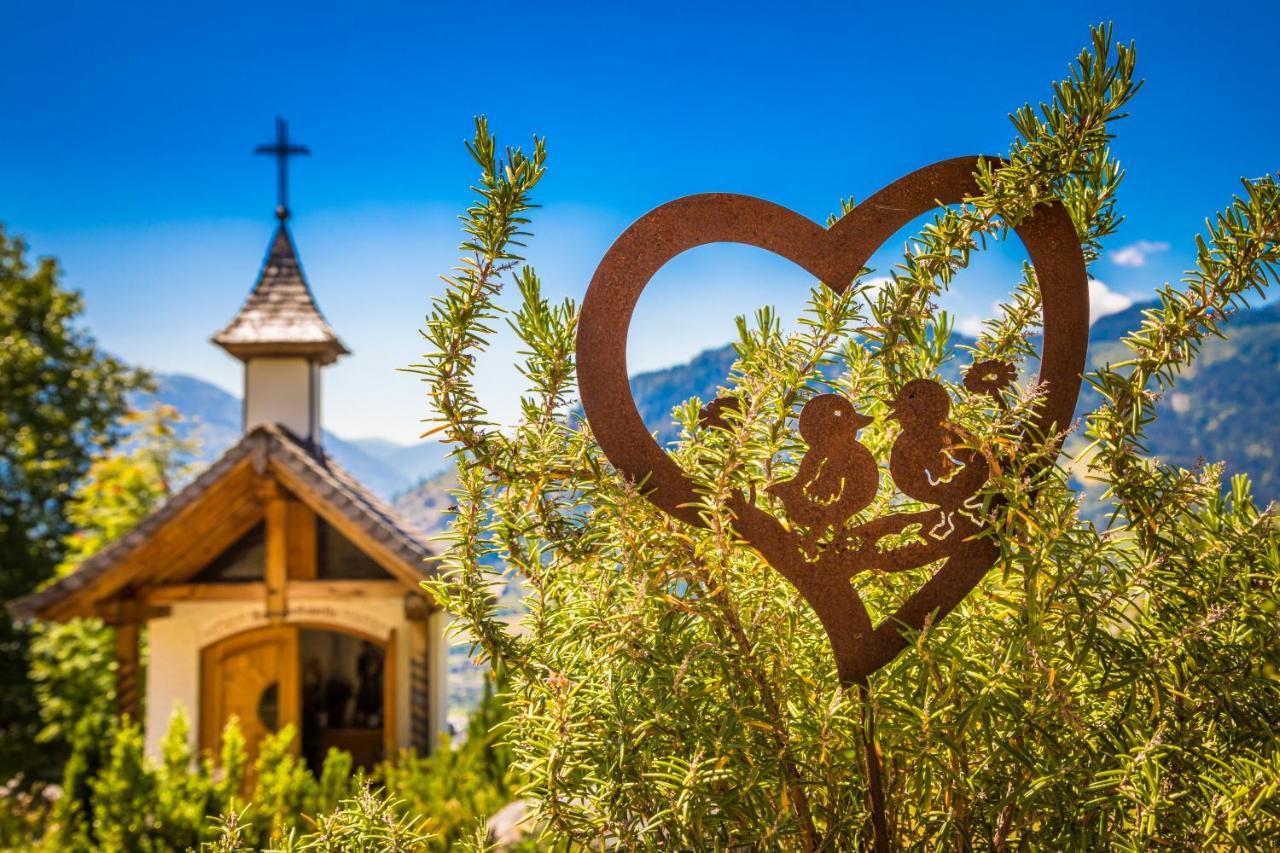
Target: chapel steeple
x,y
279,332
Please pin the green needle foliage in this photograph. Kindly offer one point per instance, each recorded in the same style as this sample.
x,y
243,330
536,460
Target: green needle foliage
x,y
1101,688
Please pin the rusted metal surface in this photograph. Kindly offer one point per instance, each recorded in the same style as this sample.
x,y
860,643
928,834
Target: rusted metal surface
x,y
838,476
812,545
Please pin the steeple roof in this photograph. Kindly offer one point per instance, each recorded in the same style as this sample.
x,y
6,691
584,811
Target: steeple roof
x,y
280,318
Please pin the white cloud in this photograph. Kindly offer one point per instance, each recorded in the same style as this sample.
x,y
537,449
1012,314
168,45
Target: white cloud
x,y
970,325
1103,300
1137,254
873,285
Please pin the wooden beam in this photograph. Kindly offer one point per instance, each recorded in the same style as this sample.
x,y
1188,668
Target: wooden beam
x,y
390,694
128,611
178,592
256,591
345,589
276,571
207,539
227,503
128,689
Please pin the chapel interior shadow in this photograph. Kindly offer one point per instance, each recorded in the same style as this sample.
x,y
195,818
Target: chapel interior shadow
x,y
342,697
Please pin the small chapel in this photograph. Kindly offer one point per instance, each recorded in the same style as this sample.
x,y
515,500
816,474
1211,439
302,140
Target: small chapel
x,y
273,587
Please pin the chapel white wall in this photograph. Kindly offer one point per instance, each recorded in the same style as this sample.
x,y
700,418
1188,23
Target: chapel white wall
x,y
282,391
174,644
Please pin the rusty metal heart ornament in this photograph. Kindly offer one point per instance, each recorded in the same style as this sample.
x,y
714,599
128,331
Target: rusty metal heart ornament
x,y
835,256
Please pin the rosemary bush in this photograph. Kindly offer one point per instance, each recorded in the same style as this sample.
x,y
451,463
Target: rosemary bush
x,y
114,798
1113,687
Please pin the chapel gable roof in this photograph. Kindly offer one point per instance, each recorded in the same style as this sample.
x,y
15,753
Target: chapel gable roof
x,y
219,506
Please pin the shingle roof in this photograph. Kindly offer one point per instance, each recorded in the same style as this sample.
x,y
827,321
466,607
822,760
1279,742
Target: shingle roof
x,y
264,445
280,317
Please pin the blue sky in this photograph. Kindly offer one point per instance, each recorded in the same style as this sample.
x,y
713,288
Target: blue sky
x,y
130,126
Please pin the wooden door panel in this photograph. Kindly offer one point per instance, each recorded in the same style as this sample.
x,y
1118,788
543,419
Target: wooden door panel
x,y
254,677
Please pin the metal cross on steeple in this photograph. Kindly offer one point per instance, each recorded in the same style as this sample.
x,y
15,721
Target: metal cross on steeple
x,y
282,151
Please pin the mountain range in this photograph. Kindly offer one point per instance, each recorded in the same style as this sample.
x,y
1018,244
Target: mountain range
x,y
1224,408
213,419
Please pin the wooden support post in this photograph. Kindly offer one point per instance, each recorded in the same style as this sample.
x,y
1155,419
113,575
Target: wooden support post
x,y
420,735
128,686
276,572
390,697
126,616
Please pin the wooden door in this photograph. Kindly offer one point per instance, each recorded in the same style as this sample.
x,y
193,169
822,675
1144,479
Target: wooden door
x,y
253,676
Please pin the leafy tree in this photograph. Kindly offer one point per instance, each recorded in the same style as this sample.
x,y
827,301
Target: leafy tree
x,y
73,663
73,668
126,482
61,398
1100,688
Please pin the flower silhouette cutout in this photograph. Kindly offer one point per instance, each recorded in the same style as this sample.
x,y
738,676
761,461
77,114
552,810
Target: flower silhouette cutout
x,y
990,376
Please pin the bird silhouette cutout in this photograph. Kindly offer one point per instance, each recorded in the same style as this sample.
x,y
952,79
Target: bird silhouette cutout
x,y
922,460
838,476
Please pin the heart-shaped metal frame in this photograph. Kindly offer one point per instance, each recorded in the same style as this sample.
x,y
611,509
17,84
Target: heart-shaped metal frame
x,y
834,256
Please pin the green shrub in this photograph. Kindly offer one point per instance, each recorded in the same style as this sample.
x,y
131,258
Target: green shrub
x,y
71,823
114,798
284,788
456,787
446,788
1105,688
73,669
371,820
233,759
123,794
185,792
335,780
24,813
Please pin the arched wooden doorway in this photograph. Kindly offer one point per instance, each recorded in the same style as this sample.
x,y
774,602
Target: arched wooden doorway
x,y
293,674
